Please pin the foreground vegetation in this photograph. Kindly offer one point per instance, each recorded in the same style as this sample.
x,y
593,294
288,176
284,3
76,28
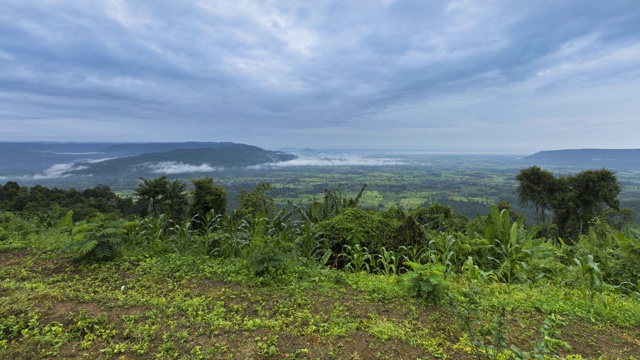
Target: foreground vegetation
x,y
327,280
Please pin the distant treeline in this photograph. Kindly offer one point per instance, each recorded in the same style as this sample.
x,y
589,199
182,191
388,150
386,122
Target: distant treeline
x,y
84,204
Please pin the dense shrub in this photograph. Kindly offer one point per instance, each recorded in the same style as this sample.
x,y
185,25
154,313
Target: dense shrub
x,y
367,228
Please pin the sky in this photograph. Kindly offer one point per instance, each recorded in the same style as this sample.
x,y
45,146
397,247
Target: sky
x,y
459,76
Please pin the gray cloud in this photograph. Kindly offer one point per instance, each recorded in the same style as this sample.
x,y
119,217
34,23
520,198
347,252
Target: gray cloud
x,y
261,72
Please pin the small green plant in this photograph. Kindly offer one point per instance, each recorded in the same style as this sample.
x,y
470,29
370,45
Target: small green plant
x,y
267,346
308,238
231,238
487,340
417,254
388,262
357,258
551,340
590,277
512,245
442,251
54,219
183,238
13,327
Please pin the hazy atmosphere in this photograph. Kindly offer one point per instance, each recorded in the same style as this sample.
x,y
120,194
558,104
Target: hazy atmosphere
x,y
497,76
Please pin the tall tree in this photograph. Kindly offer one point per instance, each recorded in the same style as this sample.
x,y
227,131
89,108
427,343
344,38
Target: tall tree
x,y
537,187
582,197
164,197
251,203
207,197
153,191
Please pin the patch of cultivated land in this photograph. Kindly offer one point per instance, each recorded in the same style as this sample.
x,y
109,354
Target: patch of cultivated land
x,y
201,308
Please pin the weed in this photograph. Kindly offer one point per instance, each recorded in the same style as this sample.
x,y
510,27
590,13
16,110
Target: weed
x,y
427,281
267,346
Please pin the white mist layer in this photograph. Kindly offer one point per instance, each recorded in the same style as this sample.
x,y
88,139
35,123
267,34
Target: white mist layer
x,y
95,161
172,167
333,160
58,171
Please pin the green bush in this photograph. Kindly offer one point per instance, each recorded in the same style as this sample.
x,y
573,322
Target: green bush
x,y
366,228
617,253
427,281
14,227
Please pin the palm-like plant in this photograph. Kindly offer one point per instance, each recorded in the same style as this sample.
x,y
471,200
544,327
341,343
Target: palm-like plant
x,y
512,244
97,240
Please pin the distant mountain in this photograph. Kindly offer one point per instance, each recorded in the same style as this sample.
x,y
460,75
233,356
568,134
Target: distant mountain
x,y
621,159
141,148
39,161
185,160
53,147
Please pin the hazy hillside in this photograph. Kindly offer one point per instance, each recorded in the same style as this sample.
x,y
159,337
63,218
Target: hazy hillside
x,y
141,148
619,159
38,161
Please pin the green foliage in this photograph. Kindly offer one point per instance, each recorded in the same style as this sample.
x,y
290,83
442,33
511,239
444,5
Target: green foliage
x,y
487,340
551,341
14,227
47,204
232,237
150,232
13,327
439,218
96,240
410,232
629,242
54,220
489,337
616,252
252,203
180,281
590,277
334,202
267,346
184,239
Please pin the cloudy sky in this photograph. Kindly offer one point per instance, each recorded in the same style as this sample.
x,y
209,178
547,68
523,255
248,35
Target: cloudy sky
x,y
490,76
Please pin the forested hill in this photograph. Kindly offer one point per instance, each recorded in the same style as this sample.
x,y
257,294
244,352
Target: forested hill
x,y
619,159
185,160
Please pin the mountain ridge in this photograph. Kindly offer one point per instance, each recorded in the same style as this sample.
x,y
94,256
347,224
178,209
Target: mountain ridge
x,y
627,159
